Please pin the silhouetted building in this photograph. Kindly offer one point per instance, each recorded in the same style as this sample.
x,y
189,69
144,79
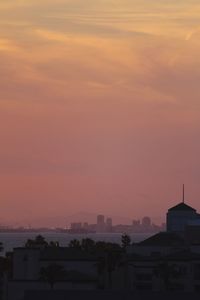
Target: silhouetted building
x,y
136,226
79,270
109,225
76,225
179,216
192,232
100,223
146,224
85,225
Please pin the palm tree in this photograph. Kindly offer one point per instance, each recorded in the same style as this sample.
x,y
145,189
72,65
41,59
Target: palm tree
x,y
112,260
54,244
1,246
126,241
109,259
75,244
52,273
101,268
87,245
3,261
39,241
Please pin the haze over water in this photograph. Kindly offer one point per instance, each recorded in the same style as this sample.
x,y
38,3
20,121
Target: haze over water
x,y
99,107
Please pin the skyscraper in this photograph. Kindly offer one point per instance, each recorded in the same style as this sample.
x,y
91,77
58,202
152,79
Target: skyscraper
x,y
109,224
100,223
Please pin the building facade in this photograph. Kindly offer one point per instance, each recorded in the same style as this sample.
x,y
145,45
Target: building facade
x,y
179,216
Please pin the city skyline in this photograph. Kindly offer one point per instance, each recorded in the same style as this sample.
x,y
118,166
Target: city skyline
x,y
99,107
82,217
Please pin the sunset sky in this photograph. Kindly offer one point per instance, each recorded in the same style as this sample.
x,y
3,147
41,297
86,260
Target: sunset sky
x,y
99,107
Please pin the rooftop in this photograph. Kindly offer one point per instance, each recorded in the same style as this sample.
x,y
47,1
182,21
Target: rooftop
x,y
164,239
182,207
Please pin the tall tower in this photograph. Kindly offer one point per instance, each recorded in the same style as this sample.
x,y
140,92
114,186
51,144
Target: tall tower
x,y
109,224
179,216
100,223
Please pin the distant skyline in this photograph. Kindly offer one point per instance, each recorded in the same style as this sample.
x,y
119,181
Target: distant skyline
x,y
99,107
65,221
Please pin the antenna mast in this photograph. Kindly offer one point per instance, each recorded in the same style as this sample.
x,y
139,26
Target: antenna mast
x,y
183,193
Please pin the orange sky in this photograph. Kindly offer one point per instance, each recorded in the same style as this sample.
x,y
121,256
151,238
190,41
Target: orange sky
x,y
99,106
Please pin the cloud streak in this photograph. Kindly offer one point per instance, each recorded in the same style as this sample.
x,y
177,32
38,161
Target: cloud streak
x,y
99,98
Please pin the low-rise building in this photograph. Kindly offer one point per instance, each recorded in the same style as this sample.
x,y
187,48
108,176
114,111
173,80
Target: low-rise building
x,y
78,270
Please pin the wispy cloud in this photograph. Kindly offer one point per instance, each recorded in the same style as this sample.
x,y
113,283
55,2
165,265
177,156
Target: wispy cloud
x,y
105,94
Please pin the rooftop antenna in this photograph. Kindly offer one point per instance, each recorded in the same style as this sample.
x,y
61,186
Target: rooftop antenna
x,y
183,193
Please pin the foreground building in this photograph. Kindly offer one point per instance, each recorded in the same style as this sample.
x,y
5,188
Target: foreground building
x,y
177,269
50,268
179,216
170,260
163,263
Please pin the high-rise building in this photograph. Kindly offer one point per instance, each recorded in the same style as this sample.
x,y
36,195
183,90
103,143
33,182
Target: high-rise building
x,y
100,223
136,225
109,224
146,224
75,226
85,225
